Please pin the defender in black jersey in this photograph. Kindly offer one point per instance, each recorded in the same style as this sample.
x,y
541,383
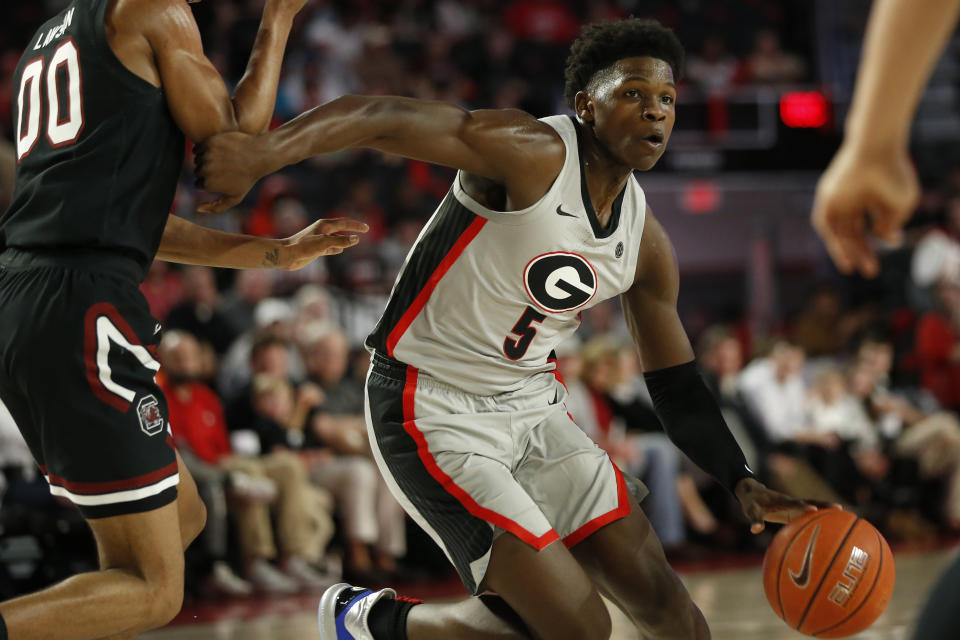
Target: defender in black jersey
x,y
104,94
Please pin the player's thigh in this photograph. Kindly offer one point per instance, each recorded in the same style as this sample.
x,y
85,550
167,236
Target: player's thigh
x,y
627,563
548,589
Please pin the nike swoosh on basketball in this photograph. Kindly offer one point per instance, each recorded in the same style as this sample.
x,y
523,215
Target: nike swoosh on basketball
x,y
802,578
564,213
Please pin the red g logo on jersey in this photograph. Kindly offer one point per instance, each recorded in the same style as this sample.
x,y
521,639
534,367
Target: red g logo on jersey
x,y
559,281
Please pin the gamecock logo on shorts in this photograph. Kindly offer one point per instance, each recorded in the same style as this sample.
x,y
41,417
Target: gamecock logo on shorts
x,y
151,420
559,281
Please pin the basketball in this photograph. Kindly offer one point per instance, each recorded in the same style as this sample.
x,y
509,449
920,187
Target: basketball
x,y
828,574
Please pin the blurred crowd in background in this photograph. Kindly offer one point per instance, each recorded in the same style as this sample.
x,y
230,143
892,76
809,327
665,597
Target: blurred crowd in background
x,y
851,396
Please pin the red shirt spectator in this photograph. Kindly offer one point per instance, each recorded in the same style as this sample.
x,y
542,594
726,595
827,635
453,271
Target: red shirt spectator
x,y
937,355
196,419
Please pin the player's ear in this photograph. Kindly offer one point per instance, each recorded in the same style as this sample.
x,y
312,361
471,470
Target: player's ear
x,y
583,105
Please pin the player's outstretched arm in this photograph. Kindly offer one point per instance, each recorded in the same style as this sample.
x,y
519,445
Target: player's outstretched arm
x,y
507,146
195,92
685,405
189,243
872,175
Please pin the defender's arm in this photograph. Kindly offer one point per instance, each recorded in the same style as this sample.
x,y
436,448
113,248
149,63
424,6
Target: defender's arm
x,y
507,146
683,401
189,243
195,92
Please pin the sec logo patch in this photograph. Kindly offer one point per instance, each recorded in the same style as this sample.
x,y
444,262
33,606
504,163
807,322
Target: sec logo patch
x,y
559,281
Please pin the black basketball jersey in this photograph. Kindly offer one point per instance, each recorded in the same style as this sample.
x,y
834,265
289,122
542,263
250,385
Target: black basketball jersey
x,y
98,153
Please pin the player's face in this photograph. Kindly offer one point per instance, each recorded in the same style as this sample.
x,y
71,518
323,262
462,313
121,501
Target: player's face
x,y
633,110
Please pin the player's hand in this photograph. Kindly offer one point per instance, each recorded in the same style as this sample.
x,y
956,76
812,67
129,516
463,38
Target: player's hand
x,y
881,187
322,238
228,164
761,504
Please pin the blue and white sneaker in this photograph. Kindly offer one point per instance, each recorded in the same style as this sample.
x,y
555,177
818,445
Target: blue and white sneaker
x,y
344,610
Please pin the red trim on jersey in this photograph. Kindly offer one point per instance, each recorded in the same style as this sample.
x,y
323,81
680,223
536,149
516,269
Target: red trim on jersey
x,y
95,488
421,300
438,474
556,374
622,510
90,347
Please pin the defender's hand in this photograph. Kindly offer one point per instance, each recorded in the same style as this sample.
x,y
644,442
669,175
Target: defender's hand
x,y
319,239
761,504
228,164
881,186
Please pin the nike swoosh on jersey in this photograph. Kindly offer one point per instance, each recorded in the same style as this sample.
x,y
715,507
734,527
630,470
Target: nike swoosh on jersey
x,y
802,578
564,213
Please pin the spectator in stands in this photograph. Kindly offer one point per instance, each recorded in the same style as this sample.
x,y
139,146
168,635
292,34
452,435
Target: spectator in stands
x,y
936,257
374,523
249,288
273,328
163,289
199,314
649,456
772,388
721,358
713,69
823,328
252,484
769,64
848,453
932,439
937,346
546,21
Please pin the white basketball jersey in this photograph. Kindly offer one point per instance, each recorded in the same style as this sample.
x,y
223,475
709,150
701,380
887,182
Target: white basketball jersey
x,y
484,296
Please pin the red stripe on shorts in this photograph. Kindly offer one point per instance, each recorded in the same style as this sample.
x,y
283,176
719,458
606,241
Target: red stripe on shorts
x,y
94,488
622,510
438,474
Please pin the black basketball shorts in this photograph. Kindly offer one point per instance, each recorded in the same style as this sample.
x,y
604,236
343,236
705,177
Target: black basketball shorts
x,y
77,367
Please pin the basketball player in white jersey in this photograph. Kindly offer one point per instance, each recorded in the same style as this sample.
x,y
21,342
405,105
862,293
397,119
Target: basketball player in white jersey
x,y
464,407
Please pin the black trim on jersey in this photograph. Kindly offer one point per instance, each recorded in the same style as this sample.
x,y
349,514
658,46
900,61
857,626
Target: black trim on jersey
x,y
599,231
445,228
465,536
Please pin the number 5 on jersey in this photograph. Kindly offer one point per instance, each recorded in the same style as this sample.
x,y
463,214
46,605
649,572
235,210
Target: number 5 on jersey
x,y
61,129
515,348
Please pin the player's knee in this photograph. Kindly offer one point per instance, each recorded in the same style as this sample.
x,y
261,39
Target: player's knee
x,y
165,601
590,621
594,623
195,522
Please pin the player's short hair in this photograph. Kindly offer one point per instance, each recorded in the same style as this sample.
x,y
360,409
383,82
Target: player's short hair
x,y
602,44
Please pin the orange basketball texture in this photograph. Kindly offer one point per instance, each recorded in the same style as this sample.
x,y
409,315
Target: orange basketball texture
x,y
829,574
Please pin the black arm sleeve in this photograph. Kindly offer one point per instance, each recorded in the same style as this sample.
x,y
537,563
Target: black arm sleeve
x,y
692,419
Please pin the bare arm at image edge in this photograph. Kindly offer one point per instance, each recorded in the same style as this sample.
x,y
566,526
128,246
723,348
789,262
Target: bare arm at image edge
x,y
872,176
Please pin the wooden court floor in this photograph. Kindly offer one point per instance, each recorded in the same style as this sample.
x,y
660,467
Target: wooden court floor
x,y
733,602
